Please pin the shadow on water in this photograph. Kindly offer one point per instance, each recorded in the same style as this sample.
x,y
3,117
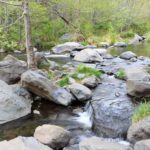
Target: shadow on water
x,y
50,113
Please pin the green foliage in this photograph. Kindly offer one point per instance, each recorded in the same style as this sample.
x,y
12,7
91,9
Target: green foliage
x,y
120,74
97,20
88,71
5,43
64,81
142,111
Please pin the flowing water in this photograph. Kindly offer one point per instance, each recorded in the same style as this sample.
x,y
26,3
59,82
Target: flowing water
x,y
77,119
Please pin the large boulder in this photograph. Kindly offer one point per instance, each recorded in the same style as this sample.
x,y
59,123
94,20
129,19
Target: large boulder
x,y
95,143
54,136
81,92
39,84
72,147
139,131
12,104
11,69
138,82
67,47
142,145
88,55
127,55
23,143
112,109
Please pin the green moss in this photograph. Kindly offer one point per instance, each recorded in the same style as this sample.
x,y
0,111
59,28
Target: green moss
x,y
120,74
142,111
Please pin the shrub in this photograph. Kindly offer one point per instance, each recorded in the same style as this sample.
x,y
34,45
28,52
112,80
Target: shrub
x,y
120,74
141,111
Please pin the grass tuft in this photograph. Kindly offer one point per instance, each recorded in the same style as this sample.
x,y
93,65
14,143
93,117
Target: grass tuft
x,y
141,111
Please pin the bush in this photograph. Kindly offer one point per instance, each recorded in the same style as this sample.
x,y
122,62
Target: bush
x,y
141,111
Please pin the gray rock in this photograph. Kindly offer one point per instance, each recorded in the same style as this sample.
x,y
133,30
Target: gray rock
x,y
88,55
120,44
142,145
137,40
23,143
66,47
112,109
54,136
53,65
90,82
13,105
95,143
139,131
72,147
127,55
41,86
138,82
11,69
81,92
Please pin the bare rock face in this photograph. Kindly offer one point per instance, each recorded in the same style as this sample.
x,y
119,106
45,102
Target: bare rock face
x,y
54,136
142,145
81,92
12,104
23,143
11,69
39,84
96,143
88,55
139,131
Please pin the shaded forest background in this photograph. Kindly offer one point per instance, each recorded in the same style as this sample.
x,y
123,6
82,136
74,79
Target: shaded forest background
x,y
90,21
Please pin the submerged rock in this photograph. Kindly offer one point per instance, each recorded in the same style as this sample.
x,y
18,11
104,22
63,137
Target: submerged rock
x,y
41,86
96,143
112,109
12,104
127,55
11,69
67,47
54,136
139,131
142,145
23,143
80,92
88,55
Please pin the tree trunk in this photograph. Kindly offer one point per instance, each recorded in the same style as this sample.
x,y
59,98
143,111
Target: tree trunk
x,y
29,49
